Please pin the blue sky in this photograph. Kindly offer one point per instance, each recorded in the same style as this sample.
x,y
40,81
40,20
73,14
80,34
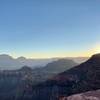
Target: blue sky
x,y
49,28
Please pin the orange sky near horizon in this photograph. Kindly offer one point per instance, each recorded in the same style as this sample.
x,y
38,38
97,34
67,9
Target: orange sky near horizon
x,y
38,55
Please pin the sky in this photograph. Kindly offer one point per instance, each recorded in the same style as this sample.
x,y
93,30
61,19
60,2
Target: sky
x,y
49,28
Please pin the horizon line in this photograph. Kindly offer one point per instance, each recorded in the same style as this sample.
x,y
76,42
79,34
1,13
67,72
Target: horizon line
x,y
54,57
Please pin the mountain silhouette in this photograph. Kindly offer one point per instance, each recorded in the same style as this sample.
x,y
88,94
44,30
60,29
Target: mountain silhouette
x,y
24,83
82,78
9,63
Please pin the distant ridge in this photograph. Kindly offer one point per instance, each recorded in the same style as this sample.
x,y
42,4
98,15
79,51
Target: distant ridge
x,y
9,63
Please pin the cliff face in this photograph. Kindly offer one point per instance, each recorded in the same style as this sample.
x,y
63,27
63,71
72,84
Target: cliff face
x,y
19,84
82,78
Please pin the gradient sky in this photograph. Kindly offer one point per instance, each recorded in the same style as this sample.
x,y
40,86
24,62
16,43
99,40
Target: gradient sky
x,y
49,28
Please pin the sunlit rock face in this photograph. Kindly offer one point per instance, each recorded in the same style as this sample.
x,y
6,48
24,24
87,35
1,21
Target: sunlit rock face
x,y
91,95
82,97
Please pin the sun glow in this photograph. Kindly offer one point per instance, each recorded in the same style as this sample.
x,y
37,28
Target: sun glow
x,y
97,49
94,49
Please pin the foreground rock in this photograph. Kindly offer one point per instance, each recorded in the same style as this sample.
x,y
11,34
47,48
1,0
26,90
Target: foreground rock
x,y
91,95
